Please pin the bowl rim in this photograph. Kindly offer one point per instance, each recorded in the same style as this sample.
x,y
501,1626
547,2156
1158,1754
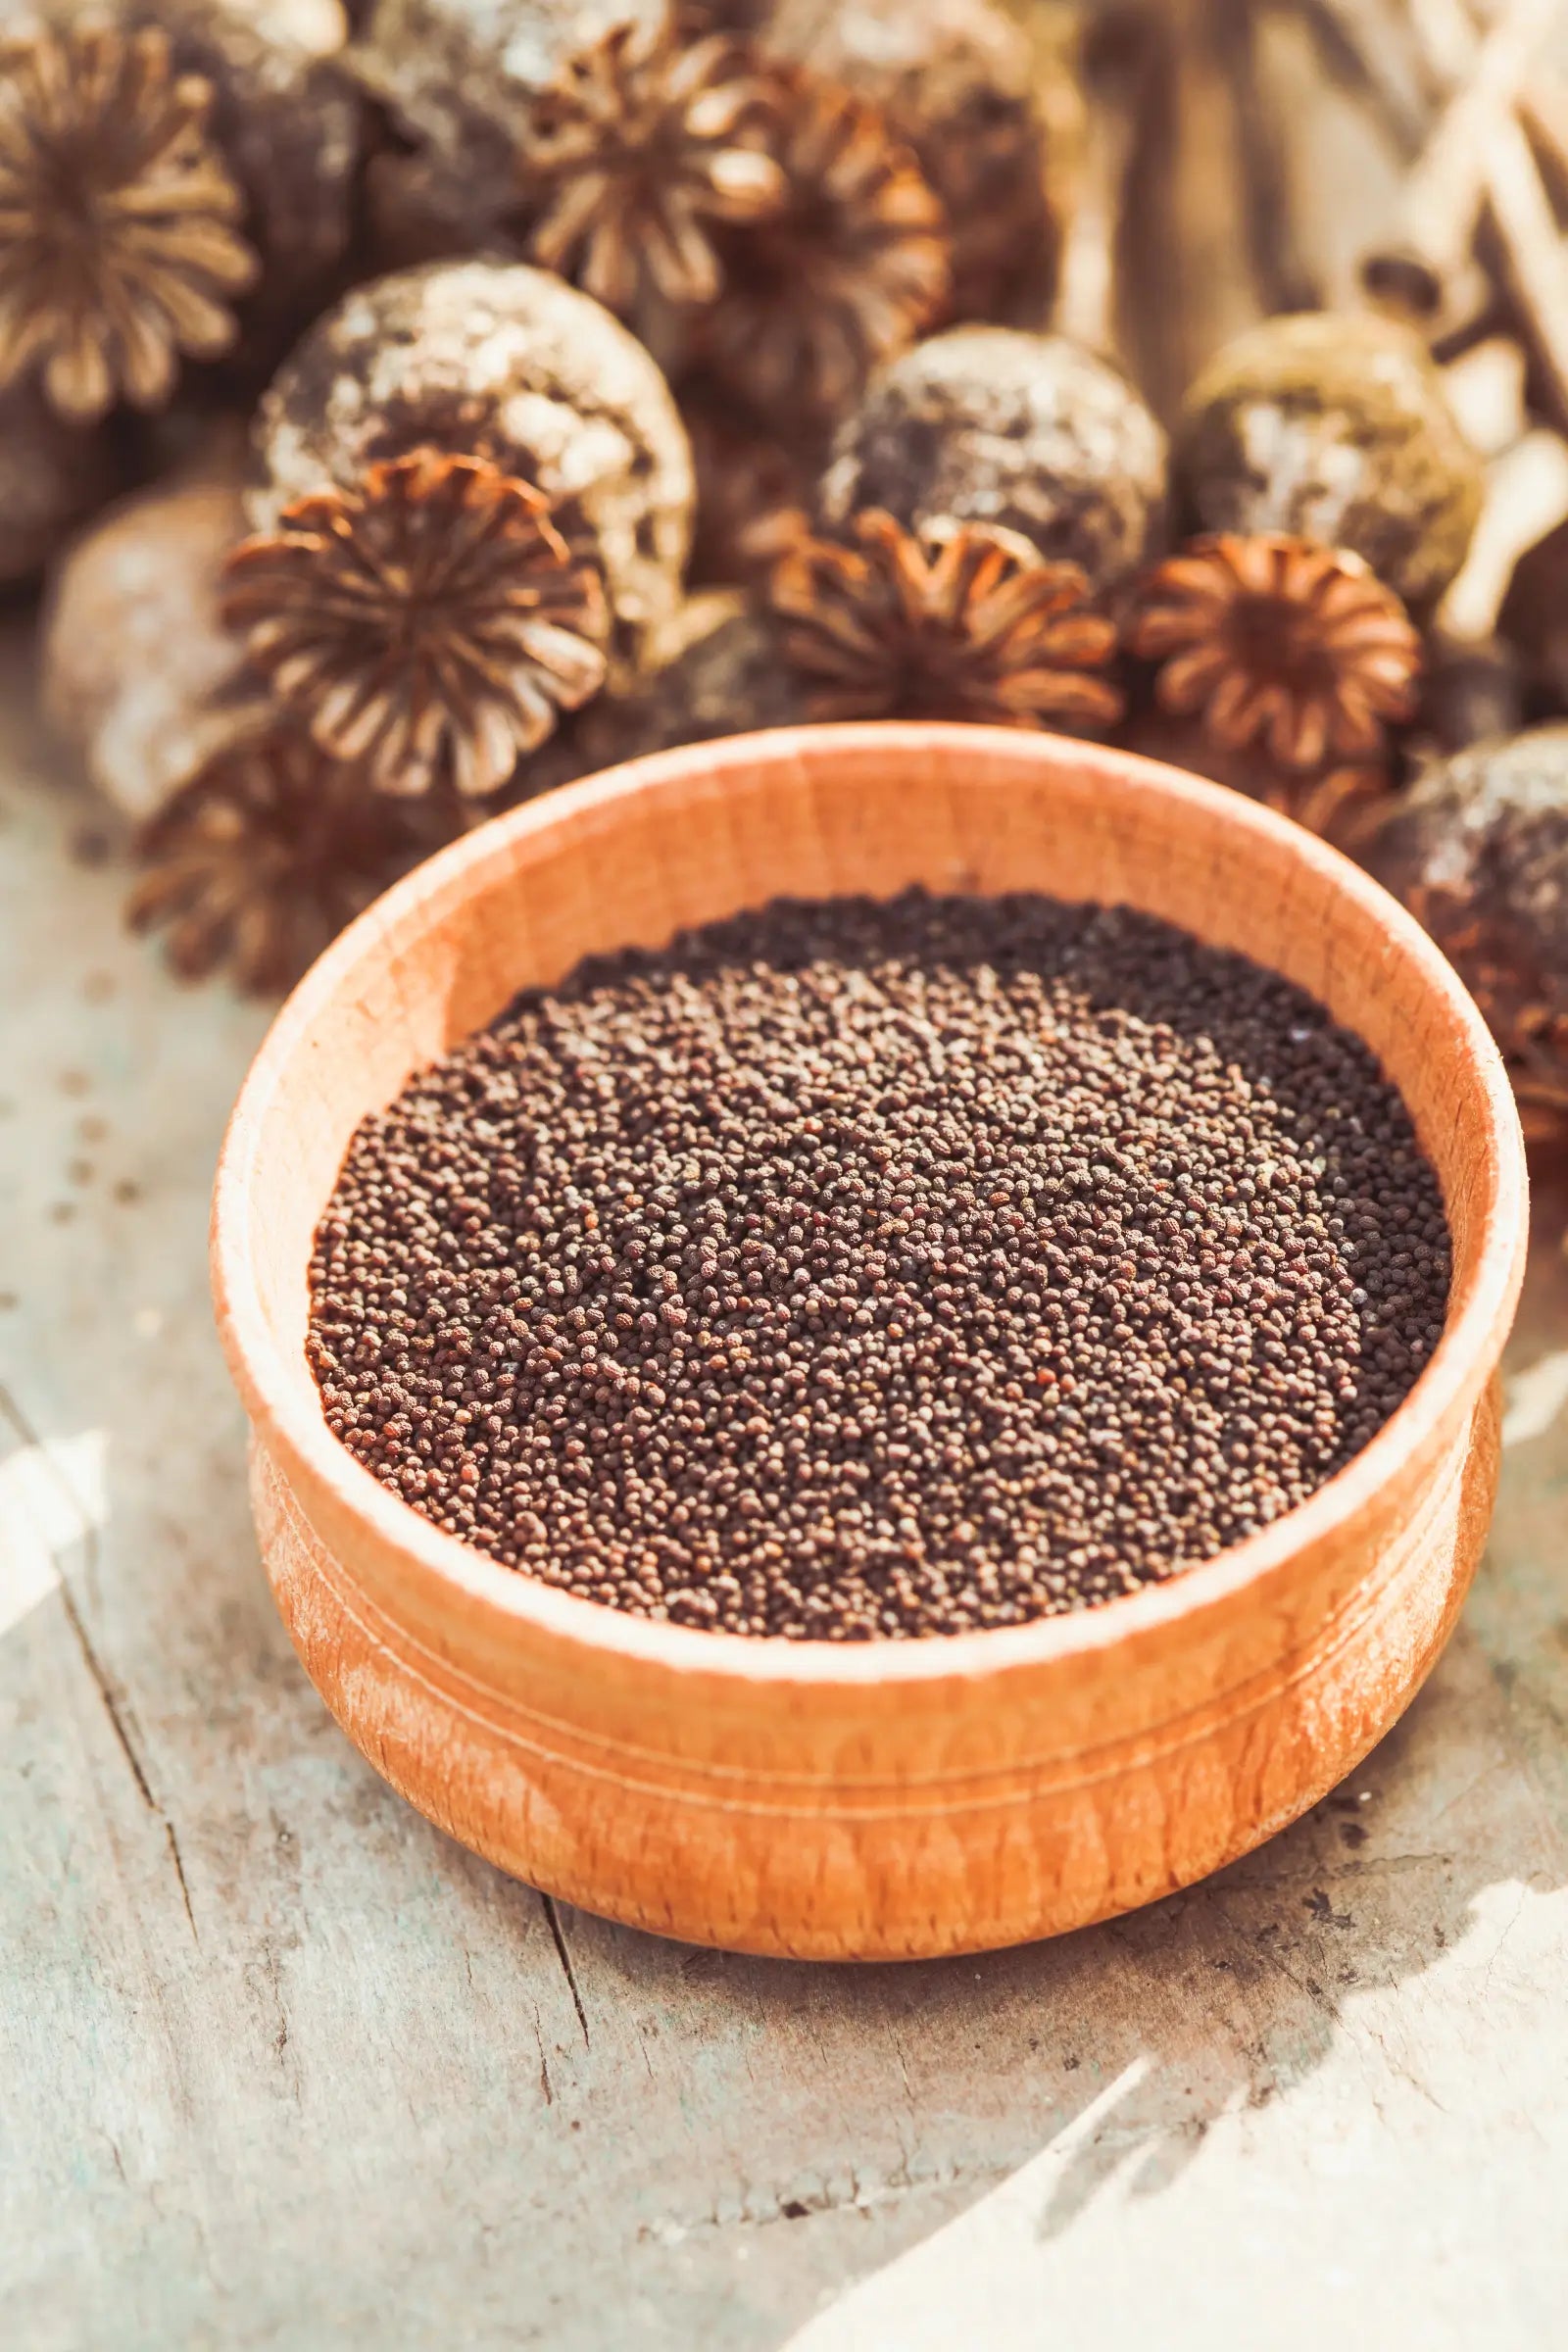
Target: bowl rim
x,y
281,1398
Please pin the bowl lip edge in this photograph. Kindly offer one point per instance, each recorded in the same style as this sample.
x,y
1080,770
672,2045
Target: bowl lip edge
x,y
282,1401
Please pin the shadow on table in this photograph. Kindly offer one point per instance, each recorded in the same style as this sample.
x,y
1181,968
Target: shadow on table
x,y
1226,1996
1120,2047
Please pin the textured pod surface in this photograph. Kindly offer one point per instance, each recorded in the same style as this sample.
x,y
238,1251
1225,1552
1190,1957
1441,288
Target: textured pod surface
x,y
1492,823
728,677
138,672
1336,428
51,476
1027,434
752,488
1479,851
460,78
502,362
731,680
288,124
957,79
1533,618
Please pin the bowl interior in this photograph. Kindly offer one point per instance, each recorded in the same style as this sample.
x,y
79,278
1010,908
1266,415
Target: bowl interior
x,y
702,832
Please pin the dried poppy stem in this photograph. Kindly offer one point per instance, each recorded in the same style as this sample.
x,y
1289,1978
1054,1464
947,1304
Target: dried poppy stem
x,y
1285,278
1210,257
1487,154
1484,323
1371,57
1533,263
1089,285
1543,112
1450,180
1526,497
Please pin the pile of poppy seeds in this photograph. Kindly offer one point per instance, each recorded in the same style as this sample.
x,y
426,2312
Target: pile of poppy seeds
x,y
853,1270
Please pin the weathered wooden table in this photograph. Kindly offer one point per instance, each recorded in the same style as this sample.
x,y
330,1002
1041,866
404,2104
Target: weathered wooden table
x,y
281,2067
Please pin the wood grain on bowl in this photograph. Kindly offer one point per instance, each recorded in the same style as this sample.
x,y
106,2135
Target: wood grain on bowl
x,y
892,1799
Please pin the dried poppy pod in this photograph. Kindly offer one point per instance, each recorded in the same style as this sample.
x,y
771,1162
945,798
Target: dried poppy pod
x,y
1278,646
427,627
175,185
138,672
725,674
1333,428
50,477
958,80
1026,433
267,851
502,363
1478,851
290,127
732,679
950,621
121,252
637,155
459,80
853,263
1335,802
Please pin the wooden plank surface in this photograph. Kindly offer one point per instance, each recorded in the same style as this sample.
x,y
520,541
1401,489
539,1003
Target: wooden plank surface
x,y
279,2066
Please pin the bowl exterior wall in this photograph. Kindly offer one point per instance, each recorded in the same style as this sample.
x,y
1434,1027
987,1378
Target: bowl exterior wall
x,y
859,1860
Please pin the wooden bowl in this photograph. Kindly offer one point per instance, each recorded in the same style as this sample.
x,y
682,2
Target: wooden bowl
x,y
892,1799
